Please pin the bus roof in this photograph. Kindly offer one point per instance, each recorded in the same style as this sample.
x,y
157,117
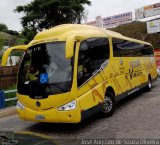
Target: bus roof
x,y
61,32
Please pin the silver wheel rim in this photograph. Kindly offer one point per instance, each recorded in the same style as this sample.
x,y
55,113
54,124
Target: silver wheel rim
x,y
107,105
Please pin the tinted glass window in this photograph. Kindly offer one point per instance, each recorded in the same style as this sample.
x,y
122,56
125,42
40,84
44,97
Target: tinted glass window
x,y
93,52
45,70
147,50
124,48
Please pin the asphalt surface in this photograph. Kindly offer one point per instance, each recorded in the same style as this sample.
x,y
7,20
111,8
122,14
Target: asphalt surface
x,y
136,117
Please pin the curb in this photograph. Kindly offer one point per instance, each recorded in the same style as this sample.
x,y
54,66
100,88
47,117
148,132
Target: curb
x,y
7,112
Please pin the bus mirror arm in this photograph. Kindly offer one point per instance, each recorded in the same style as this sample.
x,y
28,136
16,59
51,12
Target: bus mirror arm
x,y
7,53
70,42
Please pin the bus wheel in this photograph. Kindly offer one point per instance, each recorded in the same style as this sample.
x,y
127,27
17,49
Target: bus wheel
x,y
149,84
108,105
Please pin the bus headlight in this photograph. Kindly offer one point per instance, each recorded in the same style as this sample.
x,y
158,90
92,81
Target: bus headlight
x,y
20,106
68,106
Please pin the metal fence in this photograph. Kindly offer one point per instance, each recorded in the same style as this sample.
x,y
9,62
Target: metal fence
x,y
3,99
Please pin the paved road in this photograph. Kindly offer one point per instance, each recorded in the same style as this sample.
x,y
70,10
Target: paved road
x,y
137,116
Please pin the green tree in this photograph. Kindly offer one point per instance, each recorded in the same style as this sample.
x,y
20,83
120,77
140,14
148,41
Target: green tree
x,y
44,14
3,28
12,32
2,41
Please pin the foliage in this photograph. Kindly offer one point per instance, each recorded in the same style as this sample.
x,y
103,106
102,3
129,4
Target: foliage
x,y
12,32
13,87
138,30
1,42
4,39
17,53
28,34
3,27
10,95
9,40
44,14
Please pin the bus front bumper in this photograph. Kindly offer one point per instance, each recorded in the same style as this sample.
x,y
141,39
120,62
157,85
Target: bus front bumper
x,y
50,115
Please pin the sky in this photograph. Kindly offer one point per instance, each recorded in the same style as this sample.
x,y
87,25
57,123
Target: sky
x,y
104,8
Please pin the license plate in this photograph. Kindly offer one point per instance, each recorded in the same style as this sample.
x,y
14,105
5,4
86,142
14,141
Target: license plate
x,y
40,117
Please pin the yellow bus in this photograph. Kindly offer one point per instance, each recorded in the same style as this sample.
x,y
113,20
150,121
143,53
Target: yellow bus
x,y
72,71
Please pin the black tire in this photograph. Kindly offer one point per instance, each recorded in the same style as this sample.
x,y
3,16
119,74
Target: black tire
x,y
108,105
149,84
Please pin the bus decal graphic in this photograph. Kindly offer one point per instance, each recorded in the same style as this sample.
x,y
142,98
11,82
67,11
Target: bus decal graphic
x,y
117,84
121,69
95,92
104,82
116,73
128,81
101,75
134,64
115,80
133,74
104,86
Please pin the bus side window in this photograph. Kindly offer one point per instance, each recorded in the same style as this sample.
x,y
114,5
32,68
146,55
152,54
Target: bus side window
x,y
147,51
99,52
125,48
93,52
83,59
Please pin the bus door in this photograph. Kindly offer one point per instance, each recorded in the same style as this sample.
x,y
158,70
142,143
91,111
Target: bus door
x,y
93,53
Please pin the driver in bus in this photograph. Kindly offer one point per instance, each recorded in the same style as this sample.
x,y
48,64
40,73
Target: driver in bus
x,y
32,74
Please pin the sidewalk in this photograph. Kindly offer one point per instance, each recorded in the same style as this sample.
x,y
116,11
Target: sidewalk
x,y
7,111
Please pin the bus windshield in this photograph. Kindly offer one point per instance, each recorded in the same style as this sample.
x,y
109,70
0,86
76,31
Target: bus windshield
x,y
45,70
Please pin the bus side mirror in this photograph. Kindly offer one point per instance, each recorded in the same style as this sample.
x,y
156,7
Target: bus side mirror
x,y
8,52
70,42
